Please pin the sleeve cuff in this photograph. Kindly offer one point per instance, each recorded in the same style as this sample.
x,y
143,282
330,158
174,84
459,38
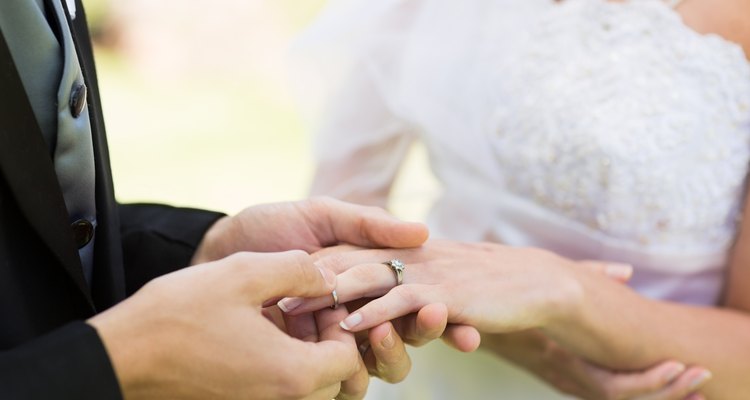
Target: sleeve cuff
x,y
68,363
159,239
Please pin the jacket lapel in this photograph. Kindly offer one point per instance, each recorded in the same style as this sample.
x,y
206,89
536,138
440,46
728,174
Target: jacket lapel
x,y
28,169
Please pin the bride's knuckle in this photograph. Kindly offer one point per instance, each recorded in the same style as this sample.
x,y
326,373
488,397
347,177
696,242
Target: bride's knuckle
x,y
404,294
378,311
364,274
334,261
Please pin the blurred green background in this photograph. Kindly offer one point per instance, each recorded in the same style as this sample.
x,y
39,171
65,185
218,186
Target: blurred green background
x,y
197,106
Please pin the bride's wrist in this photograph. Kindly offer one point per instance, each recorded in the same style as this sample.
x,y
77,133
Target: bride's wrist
x,y
563,303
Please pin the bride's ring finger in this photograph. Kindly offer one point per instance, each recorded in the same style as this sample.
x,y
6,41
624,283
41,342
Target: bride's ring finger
x,y
398,268
361,281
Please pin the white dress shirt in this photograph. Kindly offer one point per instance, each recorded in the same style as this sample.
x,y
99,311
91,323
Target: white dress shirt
x,y
72,8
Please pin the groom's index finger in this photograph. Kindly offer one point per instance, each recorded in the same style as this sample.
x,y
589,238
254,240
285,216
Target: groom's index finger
x,y
364,226
273,275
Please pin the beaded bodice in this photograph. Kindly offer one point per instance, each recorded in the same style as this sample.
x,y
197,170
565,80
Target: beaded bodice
x,y
621,118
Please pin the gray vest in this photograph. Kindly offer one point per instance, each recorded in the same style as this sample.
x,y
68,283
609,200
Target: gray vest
x,y
43,50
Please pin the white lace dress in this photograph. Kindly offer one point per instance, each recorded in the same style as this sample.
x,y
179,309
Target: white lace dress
x,y
596,129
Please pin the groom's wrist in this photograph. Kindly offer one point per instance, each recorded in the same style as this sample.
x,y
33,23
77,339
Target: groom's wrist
x,y
210,248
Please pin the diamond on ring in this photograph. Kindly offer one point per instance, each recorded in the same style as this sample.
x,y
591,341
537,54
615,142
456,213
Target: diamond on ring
x,y
398,268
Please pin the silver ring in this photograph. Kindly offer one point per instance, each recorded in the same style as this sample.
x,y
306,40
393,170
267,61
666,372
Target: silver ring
x,y
363,347
398,268
335,299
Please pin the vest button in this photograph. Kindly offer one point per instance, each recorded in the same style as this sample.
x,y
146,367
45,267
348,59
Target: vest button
x,y
78,99
83,232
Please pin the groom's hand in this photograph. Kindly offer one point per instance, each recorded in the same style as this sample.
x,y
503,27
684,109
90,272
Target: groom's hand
x,y
199,333
309,225
312,225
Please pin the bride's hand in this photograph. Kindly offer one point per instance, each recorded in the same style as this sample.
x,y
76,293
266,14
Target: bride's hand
x,y
575,376
418,328
492,287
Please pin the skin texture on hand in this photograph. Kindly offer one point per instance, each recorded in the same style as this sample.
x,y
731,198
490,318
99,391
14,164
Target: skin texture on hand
x,y
383,353
313,225
575,376
308,225
199,333
583,379
528,287
419,328
383,360
382,347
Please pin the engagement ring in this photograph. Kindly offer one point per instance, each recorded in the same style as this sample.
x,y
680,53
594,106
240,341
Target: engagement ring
x,y
398,268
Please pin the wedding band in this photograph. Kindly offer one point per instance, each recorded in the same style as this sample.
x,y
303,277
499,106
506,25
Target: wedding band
x,y
335,299
398,268
363,347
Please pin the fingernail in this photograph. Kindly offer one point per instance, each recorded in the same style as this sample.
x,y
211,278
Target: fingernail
x,y
619,271
673,372
388,342
700,380
351,321
328,275
289,304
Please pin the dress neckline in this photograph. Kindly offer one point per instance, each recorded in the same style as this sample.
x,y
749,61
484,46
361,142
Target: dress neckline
x,y
667,7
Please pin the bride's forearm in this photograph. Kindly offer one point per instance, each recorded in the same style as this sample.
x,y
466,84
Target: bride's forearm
x,y
617,328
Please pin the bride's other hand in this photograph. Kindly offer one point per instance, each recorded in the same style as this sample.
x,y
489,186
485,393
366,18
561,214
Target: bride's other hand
x,y
575,376
492,287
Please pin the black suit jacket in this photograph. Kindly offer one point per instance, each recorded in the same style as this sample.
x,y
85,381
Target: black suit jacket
x,y
46,350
